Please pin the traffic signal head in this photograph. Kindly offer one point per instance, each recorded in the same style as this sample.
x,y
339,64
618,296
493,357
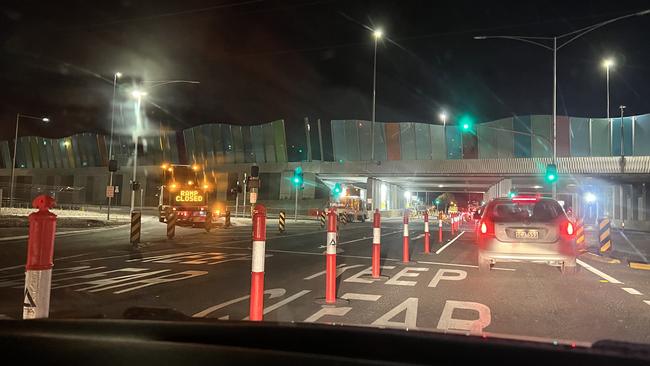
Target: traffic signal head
x,y
466,123
297,177
337,189
512,193
551,173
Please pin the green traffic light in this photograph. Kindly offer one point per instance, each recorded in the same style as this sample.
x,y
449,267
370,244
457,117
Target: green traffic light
x,y
465,126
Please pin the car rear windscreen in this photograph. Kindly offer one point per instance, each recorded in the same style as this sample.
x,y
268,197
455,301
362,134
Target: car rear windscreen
x,y
540,211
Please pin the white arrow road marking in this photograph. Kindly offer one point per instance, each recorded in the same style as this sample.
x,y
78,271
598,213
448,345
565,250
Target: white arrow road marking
x,y
631,291
598,273
274,292
279,304
450,242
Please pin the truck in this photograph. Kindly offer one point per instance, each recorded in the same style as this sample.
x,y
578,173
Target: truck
x,y
186,191
351,203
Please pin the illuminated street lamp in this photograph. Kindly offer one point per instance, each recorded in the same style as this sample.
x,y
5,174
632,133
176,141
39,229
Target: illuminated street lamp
x,y
551,44
13,165
607,64
377,35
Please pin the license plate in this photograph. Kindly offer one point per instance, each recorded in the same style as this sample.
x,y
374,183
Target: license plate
x,y
530,234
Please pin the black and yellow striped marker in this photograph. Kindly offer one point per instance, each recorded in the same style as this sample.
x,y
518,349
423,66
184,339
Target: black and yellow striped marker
x,y
343,219
282,221
171,224
135,227
604,234
580,235
322,219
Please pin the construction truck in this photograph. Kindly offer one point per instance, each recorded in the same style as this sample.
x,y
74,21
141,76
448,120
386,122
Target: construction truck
x,y
351,203
186,191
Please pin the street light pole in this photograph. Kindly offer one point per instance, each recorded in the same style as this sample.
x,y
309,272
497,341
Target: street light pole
x,y
138,95
607,63
377,34
110,144
13,164
443,117
538,41
622,108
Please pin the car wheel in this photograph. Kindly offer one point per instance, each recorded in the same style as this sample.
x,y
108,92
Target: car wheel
x,y
484,264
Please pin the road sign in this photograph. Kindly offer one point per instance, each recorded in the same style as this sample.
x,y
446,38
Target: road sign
x,y
110,191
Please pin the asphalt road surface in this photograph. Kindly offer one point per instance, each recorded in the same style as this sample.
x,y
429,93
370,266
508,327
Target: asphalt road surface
x,y
208,275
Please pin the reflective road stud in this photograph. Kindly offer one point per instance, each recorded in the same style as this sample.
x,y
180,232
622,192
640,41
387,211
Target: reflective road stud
x,y
604,234
282,221
171,224
427,236
440,228
330,265
376,244
405,242
135,227
257,270
40,253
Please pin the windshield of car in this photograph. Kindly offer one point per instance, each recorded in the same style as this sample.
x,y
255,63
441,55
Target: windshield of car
x,y
540,211
331,162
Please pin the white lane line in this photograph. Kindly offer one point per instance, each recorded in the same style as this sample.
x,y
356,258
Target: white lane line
x,y
367,238
631,291
598,273
279,304
450,242
647,302
55,259
364,297
465,265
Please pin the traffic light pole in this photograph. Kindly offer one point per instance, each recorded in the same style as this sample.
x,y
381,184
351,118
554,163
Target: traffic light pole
x,y
295,210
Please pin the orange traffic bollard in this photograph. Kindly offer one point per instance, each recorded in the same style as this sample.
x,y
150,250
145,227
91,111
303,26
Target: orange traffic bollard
x,y
257,270
40,259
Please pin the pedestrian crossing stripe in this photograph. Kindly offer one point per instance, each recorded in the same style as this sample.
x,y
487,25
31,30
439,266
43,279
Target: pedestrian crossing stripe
x,y
28,301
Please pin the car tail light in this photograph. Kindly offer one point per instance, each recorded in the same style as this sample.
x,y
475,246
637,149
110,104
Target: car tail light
x,y
567,229
486,227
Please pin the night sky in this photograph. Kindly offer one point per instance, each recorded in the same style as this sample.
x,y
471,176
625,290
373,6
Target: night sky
x,y
259,61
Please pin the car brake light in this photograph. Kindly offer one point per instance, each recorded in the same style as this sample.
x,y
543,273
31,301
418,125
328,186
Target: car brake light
x,y
486,227
483,228
569,229
524,199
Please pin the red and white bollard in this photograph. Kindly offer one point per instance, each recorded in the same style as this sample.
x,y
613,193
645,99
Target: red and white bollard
x,y
376,246
330,264
405,243
257,272
439,228
451,221
40,257
427,246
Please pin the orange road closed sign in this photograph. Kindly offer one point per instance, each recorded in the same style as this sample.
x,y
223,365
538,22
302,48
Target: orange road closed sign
x,y
110,191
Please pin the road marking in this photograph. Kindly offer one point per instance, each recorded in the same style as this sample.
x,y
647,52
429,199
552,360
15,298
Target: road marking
x,y
365,238
55,259
631,291
464,265
450,242
405,273
447,322
339,270
328,311
366,272
410,306
637,265
598,273
274,292
363,297
443,274
66,233
279,304
647,302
